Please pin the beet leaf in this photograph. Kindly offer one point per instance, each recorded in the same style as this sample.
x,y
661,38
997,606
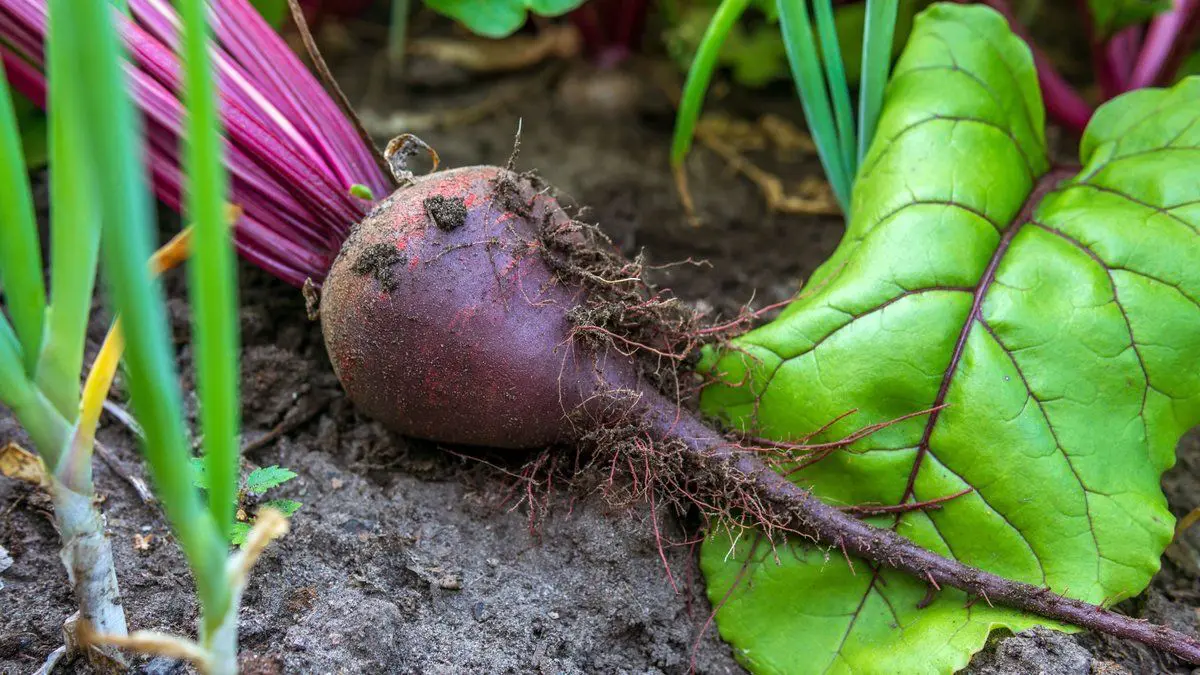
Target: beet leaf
x,y
498,18
1055,314
1109,16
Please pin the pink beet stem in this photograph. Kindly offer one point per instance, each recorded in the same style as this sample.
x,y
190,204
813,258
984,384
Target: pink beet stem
x,y
292,155
1063,102
1162,38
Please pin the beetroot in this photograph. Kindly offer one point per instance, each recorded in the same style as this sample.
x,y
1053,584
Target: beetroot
x,y
468,307
444,321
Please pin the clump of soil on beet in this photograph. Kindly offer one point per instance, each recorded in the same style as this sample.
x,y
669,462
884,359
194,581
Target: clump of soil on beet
x,y
377,261
447,213
509,189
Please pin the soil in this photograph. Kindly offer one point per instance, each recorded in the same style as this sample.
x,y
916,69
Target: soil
x,y
447,214
411,558
377,261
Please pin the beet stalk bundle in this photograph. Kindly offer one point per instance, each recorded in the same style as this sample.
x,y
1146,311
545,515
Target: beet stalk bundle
x,y
293,156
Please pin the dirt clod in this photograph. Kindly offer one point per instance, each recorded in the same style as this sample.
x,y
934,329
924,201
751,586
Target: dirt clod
x,y
302,599
1035,651
507,192
447,214
377,261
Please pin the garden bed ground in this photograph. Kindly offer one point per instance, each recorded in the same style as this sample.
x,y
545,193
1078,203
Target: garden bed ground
x,y
406,558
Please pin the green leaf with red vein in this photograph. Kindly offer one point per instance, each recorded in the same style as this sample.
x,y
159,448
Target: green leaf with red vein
x,y
1109,16
1055,314
499,18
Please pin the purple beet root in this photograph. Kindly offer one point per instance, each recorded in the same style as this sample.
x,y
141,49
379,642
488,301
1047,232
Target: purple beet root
x,y
446,319
463,310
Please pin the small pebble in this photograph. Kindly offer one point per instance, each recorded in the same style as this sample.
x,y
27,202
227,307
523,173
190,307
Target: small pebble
x,y
450,582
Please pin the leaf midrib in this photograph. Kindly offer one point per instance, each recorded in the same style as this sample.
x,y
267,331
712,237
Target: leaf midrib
x,y
1044,185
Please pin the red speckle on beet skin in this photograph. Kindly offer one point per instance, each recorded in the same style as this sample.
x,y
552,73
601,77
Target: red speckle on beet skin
x,y
462,317
345,365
